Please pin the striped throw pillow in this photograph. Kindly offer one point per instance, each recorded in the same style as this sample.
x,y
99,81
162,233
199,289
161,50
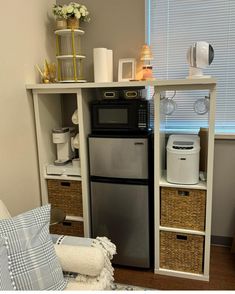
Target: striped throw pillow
x,y
34,264
6,281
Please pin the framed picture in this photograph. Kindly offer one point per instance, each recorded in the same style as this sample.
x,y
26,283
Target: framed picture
x,y
126,69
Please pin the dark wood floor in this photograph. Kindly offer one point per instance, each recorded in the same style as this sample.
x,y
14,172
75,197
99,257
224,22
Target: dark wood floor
x,y
222,275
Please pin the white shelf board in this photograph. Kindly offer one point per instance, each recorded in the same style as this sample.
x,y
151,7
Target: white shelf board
x,y
157,82
182,231
73,81
69,31
70,56
74,218
180,274
63,177
225,136
163,183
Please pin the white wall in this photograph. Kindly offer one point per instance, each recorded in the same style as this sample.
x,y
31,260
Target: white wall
x,y
26,39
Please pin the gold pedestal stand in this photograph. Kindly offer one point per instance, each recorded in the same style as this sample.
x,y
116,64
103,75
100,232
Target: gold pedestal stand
x,y
70,65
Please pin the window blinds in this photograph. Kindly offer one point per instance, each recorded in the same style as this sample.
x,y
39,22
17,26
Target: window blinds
x,y
172,27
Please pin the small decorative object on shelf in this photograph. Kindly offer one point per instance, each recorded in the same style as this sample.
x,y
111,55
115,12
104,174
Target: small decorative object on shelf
x,y
147,68
73,23
126,69
69,16
48,74
59,13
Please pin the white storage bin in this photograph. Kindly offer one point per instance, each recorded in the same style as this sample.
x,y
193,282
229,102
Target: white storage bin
x,y
183,159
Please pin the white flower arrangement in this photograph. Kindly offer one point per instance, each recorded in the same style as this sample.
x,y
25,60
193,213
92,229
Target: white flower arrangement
x,y
73,9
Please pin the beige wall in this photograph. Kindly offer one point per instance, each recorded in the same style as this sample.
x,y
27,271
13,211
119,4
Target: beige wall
x,y
115,24
223,212
24,42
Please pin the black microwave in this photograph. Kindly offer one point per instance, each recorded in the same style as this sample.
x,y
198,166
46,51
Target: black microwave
x,y
120,116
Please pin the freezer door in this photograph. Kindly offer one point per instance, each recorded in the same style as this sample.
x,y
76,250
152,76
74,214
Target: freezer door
x,y
119,157
121,213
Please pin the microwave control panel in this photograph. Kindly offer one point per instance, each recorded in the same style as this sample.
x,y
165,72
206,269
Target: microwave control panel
x,y
143,116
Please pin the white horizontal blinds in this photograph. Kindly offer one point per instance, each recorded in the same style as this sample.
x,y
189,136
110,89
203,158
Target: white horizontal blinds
x,y
177,24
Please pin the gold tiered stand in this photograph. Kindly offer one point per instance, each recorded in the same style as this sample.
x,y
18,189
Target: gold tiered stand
x,y
69,56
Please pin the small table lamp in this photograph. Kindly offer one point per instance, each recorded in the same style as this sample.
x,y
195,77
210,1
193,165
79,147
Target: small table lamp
x,y
146,56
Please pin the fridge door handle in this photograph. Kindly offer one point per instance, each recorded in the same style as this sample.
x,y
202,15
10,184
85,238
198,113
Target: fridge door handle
x,y
139,143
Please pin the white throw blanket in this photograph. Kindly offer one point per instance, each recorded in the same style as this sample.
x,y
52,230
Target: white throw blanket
x,y
81,282
80,259
88,282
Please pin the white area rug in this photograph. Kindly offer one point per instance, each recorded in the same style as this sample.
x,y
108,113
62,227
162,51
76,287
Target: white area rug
x,y
124,287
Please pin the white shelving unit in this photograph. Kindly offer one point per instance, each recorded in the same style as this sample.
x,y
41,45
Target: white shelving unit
x,y
160,173
63,177
48,108
163,183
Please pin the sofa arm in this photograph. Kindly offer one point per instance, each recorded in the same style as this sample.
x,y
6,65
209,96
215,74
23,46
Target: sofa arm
x,y
4,213
80,259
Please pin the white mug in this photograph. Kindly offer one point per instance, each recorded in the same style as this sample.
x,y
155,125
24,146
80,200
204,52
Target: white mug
x,y
75,119
75,142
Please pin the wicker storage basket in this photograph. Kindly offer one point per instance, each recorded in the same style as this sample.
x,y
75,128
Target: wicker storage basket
x,y
181,252
66,195
70,228
183,208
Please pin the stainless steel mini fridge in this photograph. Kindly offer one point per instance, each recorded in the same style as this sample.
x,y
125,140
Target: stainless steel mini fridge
x,y
119,174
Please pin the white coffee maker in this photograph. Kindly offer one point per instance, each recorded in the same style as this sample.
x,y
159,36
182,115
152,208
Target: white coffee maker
x,y
62,138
